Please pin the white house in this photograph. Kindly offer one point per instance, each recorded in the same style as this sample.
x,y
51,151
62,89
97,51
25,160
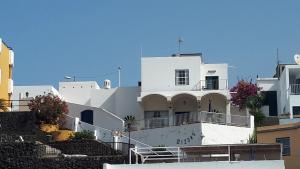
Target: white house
x,y
180,101
282,92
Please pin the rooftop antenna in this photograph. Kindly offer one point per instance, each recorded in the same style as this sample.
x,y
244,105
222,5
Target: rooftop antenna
x,y
180,40
119,72
277,56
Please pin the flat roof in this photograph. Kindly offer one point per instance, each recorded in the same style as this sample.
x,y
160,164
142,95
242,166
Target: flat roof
x,y
280,127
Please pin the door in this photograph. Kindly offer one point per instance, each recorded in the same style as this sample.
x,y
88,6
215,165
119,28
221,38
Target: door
x,y
87,116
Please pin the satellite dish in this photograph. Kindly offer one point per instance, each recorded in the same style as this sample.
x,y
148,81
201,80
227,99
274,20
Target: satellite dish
x,y
297,59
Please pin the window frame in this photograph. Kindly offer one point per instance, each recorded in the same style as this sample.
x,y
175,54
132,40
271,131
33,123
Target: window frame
x,y
286,149
182,77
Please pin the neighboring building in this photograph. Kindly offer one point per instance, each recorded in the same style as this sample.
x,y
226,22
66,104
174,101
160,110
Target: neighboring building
x,y
288,136
282,92
6,67
180,101
22,94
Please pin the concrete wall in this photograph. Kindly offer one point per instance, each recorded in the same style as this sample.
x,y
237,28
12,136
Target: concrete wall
x,y
77,92
158,73
101,118
268,164
288,130
222,134
185,135
5,71
33,91
220,70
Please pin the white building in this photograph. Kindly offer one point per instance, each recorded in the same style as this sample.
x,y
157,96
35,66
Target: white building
x,y
282,92
180,101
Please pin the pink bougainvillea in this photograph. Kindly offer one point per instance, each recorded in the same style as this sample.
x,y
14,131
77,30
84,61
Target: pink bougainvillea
x,y
241,91
48,108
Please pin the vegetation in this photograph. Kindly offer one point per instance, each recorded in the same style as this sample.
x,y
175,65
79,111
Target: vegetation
x,y
3,105
254,104
49,109
241,91
84,135
130,122
246,95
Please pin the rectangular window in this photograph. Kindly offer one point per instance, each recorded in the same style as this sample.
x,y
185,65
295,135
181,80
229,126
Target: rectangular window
x,y
212,82
296,110
181,77
156,119
285,141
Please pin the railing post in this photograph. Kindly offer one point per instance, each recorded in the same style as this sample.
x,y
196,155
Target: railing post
x,y
76,123
95,134
178,155
129,154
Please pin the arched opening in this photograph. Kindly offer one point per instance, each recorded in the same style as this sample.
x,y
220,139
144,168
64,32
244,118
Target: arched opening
x,y
213,102
185,108
87,116
156,113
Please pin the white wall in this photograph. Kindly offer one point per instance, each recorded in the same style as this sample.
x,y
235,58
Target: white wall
x,y
100,117
222,134
220,70
158,73
33,91
77,92
185,135
267,164
268,84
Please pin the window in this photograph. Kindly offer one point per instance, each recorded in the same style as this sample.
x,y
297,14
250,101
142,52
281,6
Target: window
x,y
296,110
285,141
212,82
156,119
181,77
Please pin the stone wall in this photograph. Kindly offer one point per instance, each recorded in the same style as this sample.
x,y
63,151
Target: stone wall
x,y
60,163
17,122
86,147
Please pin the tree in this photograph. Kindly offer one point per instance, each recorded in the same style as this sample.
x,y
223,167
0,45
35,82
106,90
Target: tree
x,y
48,108
254,104
3,105
241,91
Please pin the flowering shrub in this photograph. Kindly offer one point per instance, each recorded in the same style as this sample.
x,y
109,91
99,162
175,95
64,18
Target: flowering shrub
x,y
48,108
241,91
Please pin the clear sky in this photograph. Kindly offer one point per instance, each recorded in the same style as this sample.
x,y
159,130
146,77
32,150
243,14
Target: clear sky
x,y
91,38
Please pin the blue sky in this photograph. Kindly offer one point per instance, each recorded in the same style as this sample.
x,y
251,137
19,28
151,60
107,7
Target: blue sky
x,y
91,38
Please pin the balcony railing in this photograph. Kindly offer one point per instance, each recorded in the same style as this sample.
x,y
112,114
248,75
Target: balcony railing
x,y
218,84
194,117
295,89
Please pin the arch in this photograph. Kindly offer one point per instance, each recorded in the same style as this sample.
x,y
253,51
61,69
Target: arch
x,y
87,116
184,102
155,102
213,102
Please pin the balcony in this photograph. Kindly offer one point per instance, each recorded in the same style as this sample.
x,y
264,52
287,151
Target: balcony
x,y
294,89
194,117
10,86
213,84
11,58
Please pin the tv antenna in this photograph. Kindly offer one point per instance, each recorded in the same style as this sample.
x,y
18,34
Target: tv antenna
x,y
277,56
180,40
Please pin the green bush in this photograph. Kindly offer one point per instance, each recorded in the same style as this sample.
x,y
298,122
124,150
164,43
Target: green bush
x,y
84,135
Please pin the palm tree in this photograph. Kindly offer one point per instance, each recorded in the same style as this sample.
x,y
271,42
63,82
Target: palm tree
x,y
129,122
3,105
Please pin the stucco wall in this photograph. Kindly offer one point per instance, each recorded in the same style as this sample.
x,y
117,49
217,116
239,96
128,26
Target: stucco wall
x,y
292,161
185,135
158,73
5,71
222,134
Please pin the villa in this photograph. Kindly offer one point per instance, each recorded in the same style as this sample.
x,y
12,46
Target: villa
x,y
180,101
